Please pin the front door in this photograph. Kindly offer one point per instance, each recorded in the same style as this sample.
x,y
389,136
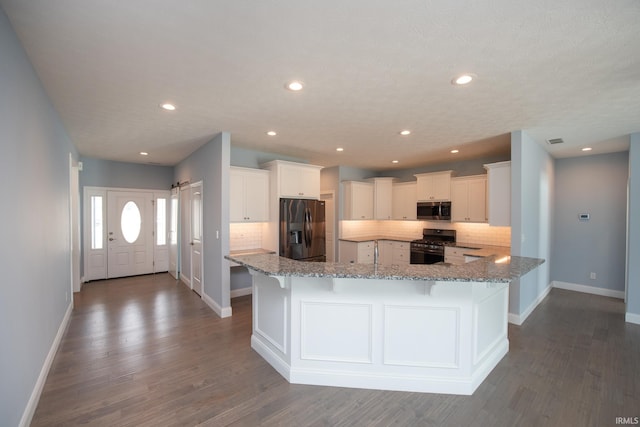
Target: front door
x,y
129,233
196,238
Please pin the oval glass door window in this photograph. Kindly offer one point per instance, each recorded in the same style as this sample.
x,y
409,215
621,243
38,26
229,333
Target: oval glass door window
x,y
130,222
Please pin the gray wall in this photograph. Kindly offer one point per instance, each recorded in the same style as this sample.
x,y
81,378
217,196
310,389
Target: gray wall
x,y
253,159
210,164
34,166
633,256
461,168
532,183
105,173
596,185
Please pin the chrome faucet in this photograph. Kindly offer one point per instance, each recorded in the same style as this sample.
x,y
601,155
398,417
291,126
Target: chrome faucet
x,y
375,252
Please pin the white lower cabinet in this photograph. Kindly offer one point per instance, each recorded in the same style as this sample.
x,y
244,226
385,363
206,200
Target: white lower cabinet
x,y
454,255
389,252
356,252
385,248
401,253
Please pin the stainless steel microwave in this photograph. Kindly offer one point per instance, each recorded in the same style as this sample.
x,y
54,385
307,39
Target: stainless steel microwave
x,y
434,211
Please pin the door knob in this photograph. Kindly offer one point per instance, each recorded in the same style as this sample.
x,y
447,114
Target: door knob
x,y
111,239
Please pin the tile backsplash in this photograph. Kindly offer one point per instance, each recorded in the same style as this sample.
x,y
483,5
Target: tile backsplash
x,y
481,234
245,236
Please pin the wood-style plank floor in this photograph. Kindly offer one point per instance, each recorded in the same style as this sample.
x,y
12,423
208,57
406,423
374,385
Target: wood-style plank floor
x,y
146,351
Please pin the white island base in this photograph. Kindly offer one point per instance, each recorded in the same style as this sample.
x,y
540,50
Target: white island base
x,y
419,336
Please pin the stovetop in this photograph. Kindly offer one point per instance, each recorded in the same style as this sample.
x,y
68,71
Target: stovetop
x,y
435,237
434,242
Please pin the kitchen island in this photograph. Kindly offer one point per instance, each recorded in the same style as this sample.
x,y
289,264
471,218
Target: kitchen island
x,y
423,328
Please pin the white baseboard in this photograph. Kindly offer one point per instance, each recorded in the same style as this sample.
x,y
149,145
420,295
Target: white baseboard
x,y
518,319
632,318
185,280
220,311
30,410
588,289
241,292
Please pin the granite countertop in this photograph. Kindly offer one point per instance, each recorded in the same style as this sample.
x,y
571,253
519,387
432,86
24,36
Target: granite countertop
x,y
376,237
254,251
493,268
483,250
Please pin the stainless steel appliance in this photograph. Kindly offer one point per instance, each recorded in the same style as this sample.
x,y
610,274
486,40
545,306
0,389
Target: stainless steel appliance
x,y
434,211
430,249
302,231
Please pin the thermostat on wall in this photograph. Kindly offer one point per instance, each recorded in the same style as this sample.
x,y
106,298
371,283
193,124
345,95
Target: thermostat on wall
x,y
584,217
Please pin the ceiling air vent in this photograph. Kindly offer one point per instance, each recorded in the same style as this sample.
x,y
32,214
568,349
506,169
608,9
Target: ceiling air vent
x,y
554,141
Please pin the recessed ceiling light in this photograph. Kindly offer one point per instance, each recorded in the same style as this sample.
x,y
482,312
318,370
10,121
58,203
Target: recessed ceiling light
x,y
587,149
455,151
339,149
394,161
144,153
167,106
463,79
405,132
272,133
294,85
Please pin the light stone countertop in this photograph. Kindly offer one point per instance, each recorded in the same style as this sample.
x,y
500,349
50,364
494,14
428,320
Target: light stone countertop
x,y
376,237
493,268
483,250
254,251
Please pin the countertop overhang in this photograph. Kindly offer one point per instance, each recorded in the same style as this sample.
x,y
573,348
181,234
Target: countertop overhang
x,y
493,268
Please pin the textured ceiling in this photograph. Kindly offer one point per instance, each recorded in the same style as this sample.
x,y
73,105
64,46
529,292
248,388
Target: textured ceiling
x,y
556,69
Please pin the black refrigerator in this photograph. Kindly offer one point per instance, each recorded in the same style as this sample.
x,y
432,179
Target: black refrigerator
x,y
302,230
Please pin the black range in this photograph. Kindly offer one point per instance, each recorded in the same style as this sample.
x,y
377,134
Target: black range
x,y
430,249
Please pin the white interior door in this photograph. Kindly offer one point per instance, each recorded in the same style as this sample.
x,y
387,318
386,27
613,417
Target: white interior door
x,y
129,233
173,232
196,238
184,235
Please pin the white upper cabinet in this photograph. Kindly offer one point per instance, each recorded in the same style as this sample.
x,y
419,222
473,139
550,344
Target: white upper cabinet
x,y
469,199
404,200
435,186
295,180
382,194
499,193
248,194
358,200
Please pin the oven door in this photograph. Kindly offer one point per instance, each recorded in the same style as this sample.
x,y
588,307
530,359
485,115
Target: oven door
x,y
425,257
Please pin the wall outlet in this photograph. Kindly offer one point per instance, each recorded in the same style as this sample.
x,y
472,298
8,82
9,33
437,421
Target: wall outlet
x,y
593,275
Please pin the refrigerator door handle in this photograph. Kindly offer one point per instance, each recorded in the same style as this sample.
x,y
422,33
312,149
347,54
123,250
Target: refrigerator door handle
x,y
306,227
310,225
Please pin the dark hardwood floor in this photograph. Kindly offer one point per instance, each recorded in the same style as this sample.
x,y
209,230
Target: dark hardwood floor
x,y
146,351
